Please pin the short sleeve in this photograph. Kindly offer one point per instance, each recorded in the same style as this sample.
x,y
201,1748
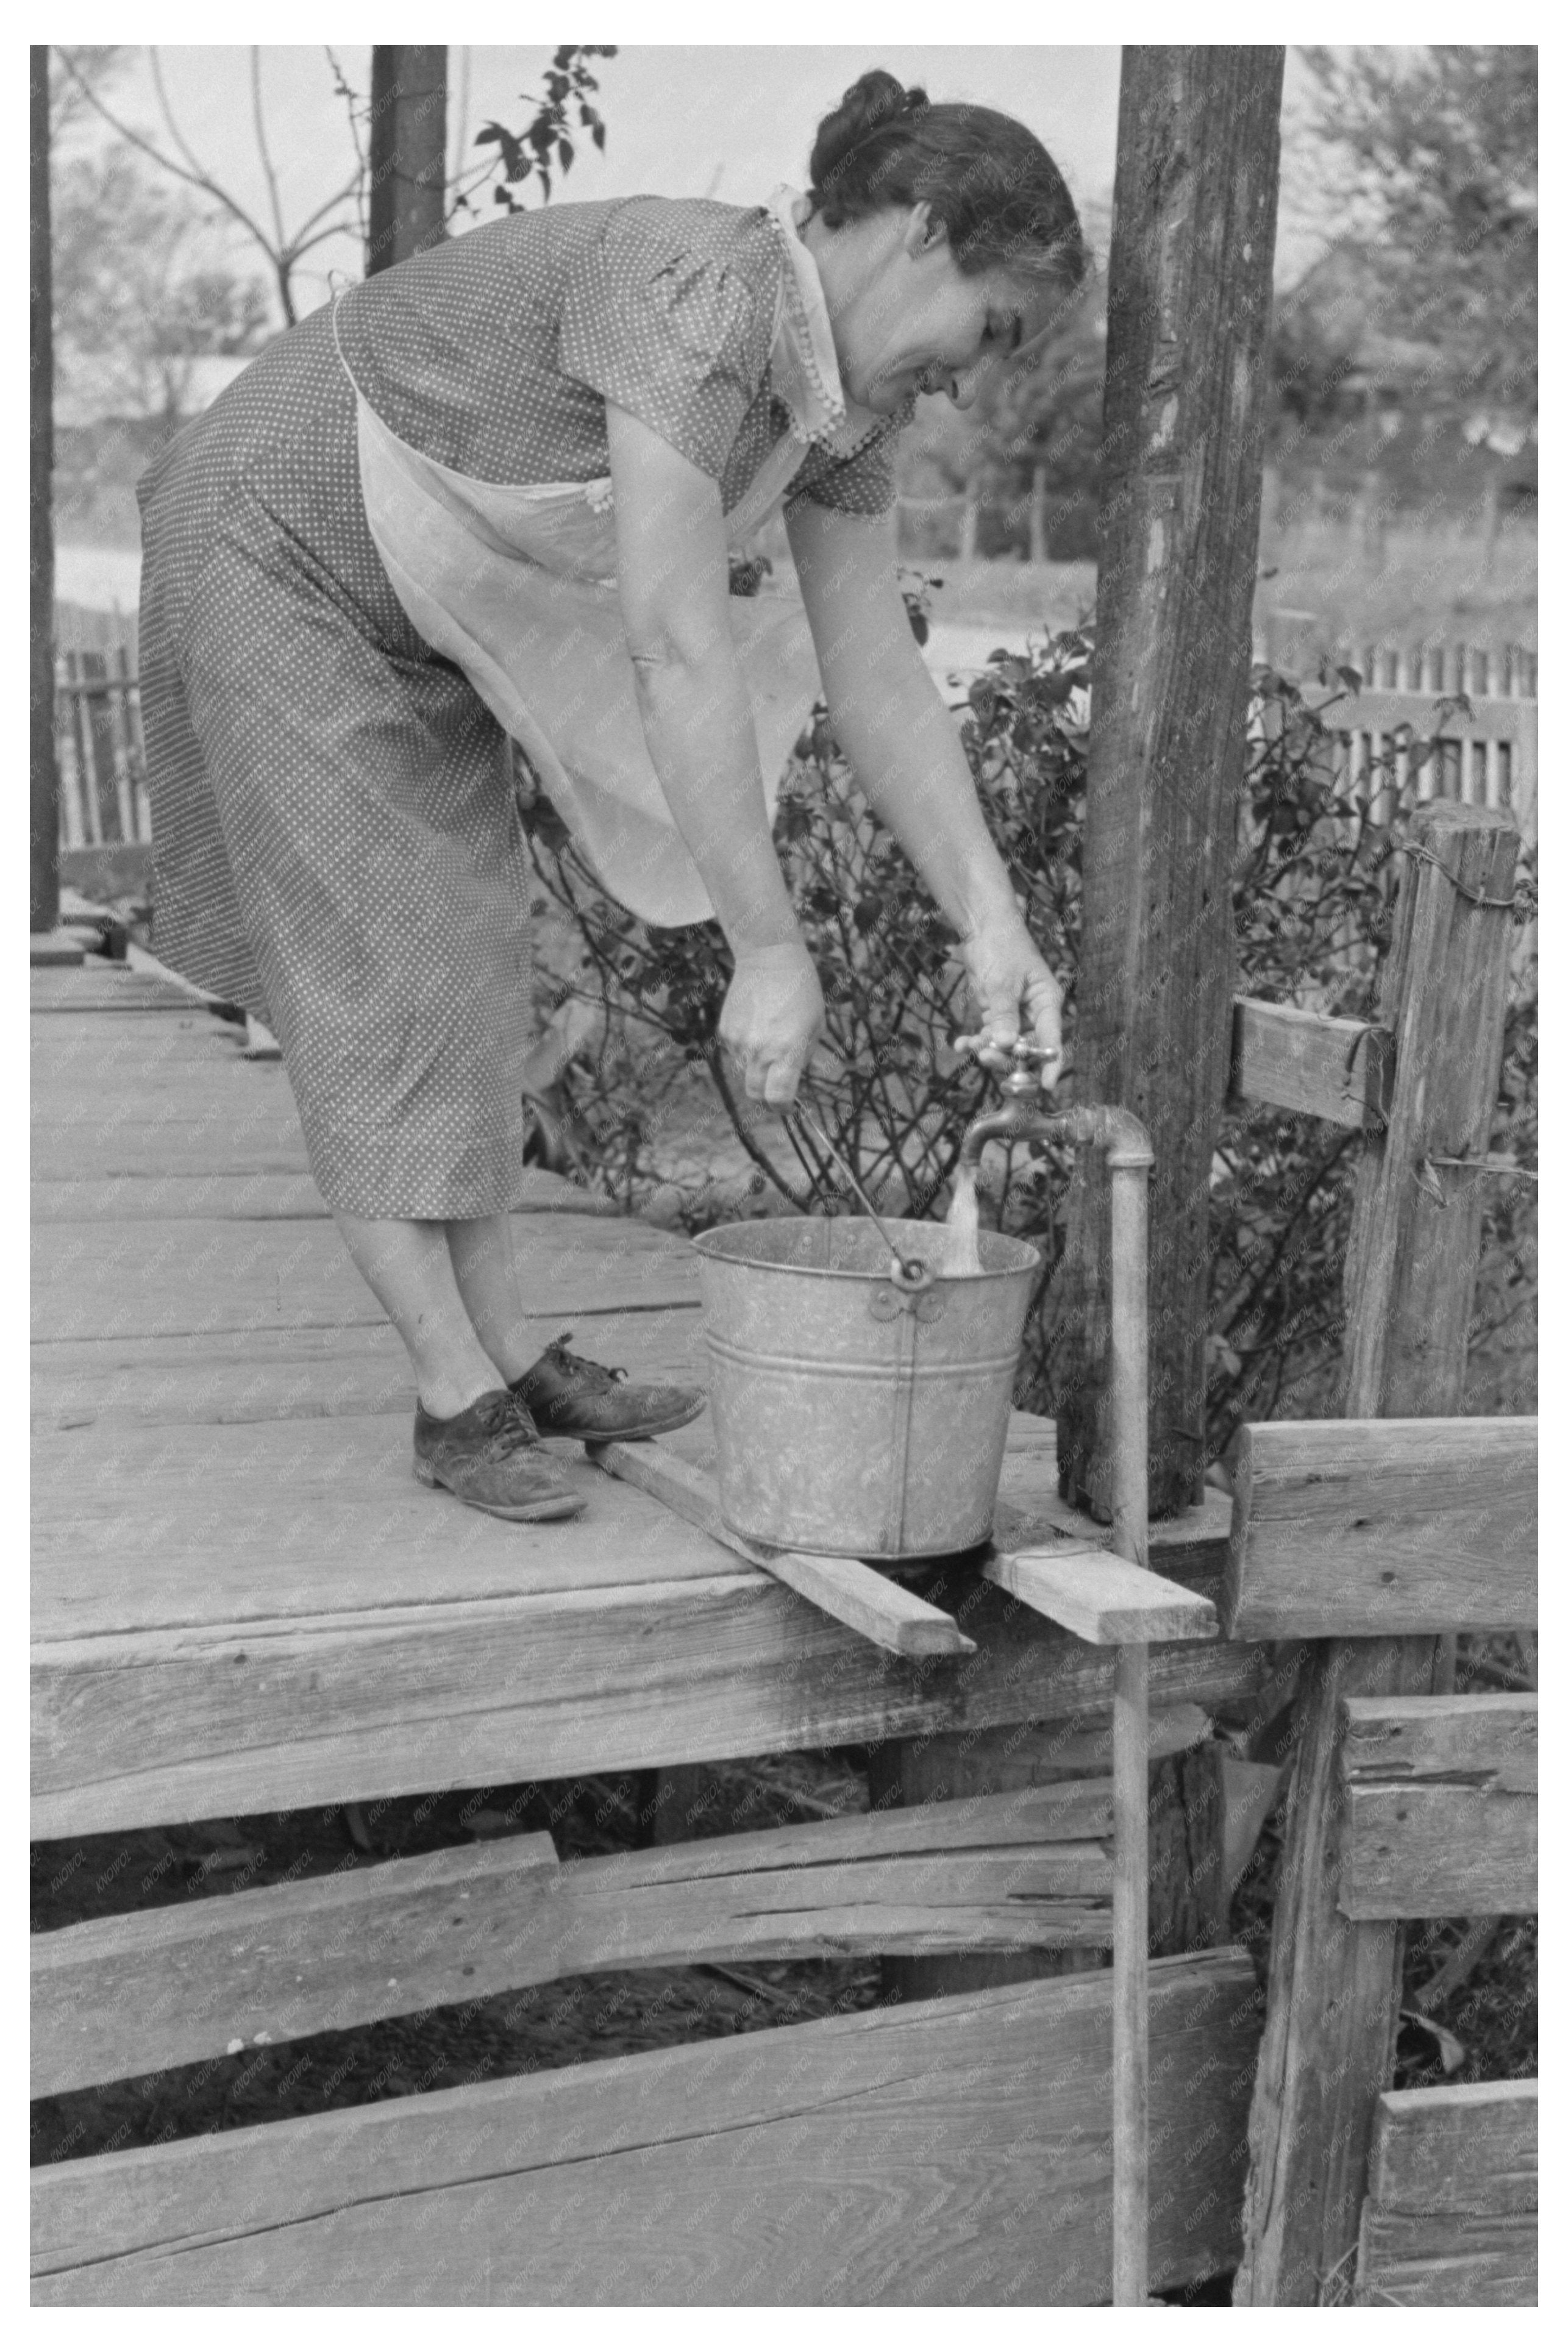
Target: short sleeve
x,y
861,483
669,334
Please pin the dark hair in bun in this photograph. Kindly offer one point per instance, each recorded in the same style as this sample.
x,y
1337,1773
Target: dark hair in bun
x,y
990,183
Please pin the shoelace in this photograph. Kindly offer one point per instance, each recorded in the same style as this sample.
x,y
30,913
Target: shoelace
x,y
581,1369
507,1426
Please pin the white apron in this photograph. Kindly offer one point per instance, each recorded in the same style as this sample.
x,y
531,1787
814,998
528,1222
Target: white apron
x,y
516,584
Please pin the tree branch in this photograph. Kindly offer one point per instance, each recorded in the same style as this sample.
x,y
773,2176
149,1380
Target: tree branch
x,y
259,120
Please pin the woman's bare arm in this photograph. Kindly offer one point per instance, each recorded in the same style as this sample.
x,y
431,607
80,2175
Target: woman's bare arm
x,y
908,760
674,582
673,568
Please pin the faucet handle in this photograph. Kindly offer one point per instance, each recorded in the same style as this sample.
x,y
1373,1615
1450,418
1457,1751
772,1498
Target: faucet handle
x,y
1024,1067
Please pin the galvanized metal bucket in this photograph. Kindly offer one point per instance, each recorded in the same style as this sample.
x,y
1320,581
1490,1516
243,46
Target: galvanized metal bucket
x,y
856,1412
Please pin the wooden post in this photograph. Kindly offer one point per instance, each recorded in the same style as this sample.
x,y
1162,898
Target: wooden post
x,y
1037,546
1373,545
44,815
1191,268
1334,1986
407,153
969,529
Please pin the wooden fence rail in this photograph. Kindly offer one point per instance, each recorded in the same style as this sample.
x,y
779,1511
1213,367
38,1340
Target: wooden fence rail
x,y
105,814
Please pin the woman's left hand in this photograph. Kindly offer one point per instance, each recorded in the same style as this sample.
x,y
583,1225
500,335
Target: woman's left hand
x,y
1015,989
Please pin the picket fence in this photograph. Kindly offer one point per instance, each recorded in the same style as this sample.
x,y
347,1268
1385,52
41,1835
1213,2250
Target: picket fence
x,y
1489,759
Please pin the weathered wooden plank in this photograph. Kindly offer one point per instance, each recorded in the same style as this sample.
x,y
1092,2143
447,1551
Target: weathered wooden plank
x,y
1438,1850
90,1199
1382,1526
1338,1070
1461,2148
1103,1599
268,1713
889,2157
54,950
1496,719
124,1995
847,1588
1182,450
1446,2261
1489,1738
137,1528
1334,1984
212,1139
216,1378
99,986
230,1274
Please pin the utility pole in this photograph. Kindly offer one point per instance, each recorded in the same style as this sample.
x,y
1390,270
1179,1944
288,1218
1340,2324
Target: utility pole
x,y
1192,254
407,153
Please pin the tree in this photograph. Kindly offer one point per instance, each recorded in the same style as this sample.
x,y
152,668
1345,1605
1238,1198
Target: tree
x,y
137,297
284,249
1049,413
1435,154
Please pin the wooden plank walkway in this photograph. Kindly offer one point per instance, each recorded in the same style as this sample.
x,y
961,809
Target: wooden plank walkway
x,y
242,1599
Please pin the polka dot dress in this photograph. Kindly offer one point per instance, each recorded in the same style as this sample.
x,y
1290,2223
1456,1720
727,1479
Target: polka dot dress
x,y
336,837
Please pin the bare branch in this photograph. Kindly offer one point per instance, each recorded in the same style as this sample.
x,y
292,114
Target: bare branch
x,y
349,188
259,119
196,178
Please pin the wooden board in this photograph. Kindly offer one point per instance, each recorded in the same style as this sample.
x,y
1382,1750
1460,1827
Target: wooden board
x,y
232,1138
1349,1529
88,1199
217,1378
137,1528
954,2152
270,1713
1490,1740
1462,2148
1456,1543
102,986
1104,1599
1338,1070
848,1589
1446,2261
124,1995
112,1280
1438,1850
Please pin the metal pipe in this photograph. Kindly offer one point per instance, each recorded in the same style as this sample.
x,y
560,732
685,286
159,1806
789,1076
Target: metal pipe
x,y
1129,1976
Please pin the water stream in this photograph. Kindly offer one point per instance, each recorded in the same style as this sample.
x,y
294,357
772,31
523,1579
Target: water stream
x,y
961,1252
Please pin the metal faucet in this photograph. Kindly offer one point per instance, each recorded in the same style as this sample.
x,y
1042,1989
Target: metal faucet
x,y
1022,1118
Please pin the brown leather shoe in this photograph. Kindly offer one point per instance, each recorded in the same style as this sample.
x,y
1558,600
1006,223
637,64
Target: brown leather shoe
x,y
570,1397
489,1456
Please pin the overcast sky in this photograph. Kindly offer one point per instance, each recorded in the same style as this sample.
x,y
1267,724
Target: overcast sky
x,y
682,120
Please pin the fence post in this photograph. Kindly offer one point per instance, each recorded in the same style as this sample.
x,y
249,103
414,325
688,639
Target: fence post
x,y
969,530
1372,540
1037,516
44,813
1410,1272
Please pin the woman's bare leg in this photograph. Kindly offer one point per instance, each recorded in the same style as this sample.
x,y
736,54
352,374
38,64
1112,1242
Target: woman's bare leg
x,y
485,1275
408,1266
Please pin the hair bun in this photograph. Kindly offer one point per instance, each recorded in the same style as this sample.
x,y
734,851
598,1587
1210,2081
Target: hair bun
x,y
867,105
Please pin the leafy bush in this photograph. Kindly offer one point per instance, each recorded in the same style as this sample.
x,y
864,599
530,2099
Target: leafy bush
x,y
1317,866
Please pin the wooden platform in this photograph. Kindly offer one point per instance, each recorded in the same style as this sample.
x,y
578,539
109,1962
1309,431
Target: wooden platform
x,y
242,1598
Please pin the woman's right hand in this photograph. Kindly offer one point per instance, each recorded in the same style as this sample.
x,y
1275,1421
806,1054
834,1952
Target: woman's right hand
x,y
773,1016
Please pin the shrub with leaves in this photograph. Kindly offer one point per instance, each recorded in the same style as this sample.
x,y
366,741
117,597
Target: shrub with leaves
x,y
1317,866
